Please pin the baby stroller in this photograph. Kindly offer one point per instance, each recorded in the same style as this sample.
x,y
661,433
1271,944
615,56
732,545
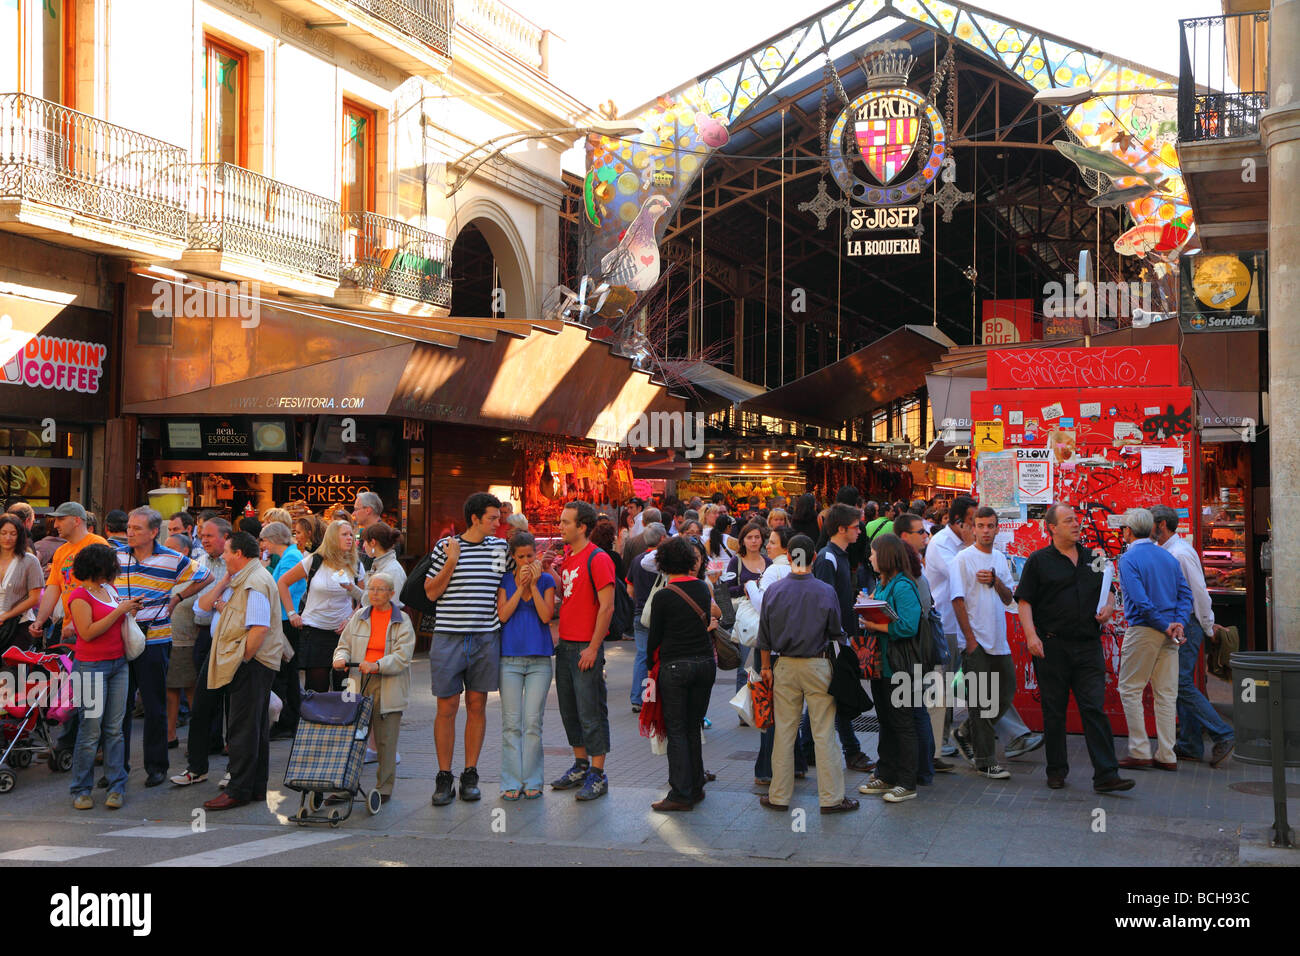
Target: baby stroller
x,y
328,750
28,727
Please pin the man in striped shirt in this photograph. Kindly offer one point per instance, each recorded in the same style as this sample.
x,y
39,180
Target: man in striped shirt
x,y
464,573
150,572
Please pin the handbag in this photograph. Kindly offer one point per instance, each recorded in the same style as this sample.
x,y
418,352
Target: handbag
x,y
133,639
867,648
760,695
745,629
727,653
655,589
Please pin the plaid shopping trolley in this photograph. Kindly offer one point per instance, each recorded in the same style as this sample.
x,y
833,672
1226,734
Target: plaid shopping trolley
x,y
328,750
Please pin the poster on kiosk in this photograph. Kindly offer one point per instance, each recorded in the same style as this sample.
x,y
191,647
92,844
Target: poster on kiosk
x,y
1101,430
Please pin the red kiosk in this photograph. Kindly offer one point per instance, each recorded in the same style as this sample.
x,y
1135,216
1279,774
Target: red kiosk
x,y
1100,429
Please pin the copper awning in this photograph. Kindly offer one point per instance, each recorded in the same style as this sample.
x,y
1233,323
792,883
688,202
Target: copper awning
x,y
887,369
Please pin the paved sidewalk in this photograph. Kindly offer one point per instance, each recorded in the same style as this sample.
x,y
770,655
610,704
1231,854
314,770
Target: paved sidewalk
x,y
1191,818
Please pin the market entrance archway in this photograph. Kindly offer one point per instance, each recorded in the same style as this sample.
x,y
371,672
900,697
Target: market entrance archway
x,y
490,265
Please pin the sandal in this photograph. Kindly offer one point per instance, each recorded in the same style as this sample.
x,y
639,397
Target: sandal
x,y
532,794
510,795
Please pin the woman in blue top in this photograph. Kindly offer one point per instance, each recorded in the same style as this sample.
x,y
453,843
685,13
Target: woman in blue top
x,y
525,604
895,776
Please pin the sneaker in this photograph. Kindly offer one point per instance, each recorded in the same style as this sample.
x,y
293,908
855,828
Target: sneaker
x,y
964,746
114,802
575,776
444,788
225,782
874,786
469,784
1024,744
898,795
636,708
83,802
371,756
948,750
187,778
943,766
860,762
995,772
1221,751
596,785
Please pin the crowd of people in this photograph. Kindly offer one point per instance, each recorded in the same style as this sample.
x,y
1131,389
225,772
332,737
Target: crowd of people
x,y
238,622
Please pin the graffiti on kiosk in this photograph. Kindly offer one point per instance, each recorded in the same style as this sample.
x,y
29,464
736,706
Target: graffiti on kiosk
x,y
44,361
1071,368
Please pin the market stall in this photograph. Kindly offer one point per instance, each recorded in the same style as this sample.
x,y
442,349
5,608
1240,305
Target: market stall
x,y
1100,429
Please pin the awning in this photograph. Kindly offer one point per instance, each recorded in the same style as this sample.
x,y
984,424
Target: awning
x,y
1224,416
887,369
722,387
509,374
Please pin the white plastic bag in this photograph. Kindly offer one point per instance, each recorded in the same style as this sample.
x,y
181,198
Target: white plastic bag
x,y
744,704
276,705
658,745
745,628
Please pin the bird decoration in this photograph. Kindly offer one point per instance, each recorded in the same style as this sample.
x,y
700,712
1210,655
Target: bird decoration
x,y
712,132
634,262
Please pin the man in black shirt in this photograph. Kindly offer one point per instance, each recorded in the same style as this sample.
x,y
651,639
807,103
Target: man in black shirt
x,y
1058,594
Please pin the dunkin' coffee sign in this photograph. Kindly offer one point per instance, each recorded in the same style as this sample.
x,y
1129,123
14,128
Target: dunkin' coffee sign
x,y
45,361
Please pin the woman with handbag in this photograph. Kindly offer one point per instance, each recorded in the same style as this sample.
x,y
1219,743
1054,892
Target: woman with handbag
x,y
680,625
747,566
895,776
20,582
331,572
100,620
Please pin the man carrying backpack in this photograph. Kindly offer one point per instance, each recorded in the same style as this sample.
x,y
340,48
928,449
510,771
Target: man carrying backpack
x,y
587,582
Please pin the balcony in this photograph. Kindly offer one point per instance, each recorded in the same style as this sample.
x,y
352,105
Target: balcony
x,y
75,180
1222,90
390,265
429,21
505,29
247,226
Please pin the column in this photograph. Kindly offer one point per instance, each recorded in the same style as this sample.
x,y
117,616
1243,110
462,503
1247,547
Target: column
x,y
1280,127
738,346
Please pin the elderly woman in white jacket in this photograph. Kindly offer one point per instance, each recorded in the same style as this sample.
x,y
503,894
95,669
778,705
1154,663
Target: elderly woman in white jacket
x,y
380,639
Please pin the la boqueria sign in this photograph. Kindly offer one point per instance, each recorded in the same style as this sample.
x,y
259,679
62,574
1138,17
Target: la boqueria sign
x,y
49,362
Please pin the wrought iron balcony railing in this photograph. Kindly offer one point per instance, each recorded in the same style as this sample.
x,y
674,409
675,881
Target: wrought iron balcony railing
x,y
57,156
234,210
389,256
505,28
1222,76
429,21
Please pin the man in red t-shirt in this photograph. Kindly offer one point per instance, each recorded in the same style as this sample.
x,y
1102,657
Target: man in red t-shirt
x,y
586,576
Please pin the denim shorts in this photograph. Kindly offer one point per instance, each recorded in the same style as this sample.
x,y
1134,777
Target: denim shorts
x,y
468,661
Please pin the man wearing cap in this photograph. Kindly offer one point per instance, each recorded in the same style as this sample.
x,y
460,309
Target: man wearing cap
x,y
70,522
1196,715
1157,601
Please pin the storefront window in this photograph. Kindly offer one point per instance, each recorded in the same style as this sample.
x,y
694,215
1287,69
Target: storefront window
x,y
60,475
1224,471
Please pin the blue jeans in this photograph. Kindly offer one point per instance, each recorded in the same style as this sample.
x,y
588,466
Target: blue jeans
x,y
924,746
525,682
763,765
584,704
110,688
843,726
640,667
1196,715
